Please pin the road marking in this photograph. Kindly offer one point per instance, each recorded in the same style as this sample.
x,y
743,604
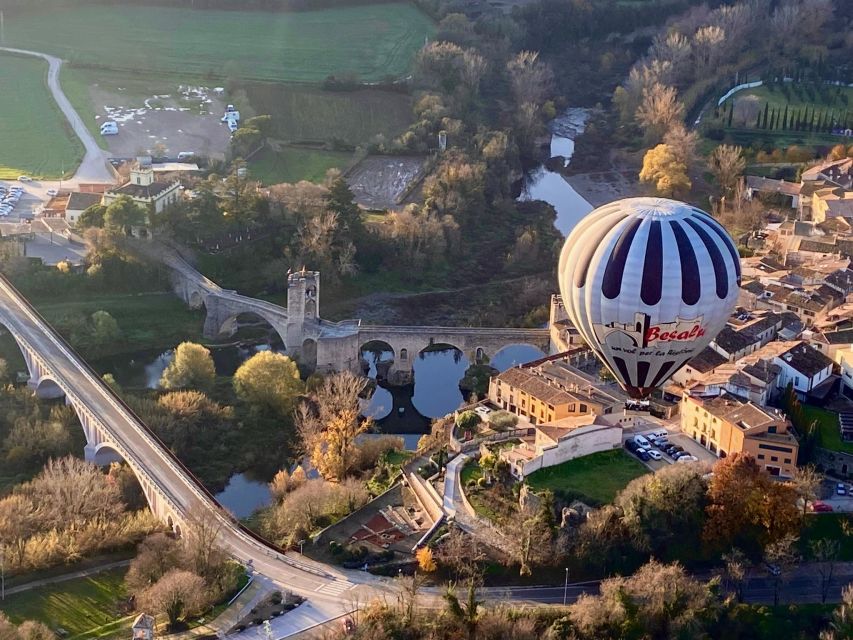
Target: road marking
x,y
336,587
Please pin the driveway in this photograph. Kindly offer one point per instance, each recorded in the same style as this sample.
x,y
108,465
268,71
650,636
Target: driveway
x,y
94,165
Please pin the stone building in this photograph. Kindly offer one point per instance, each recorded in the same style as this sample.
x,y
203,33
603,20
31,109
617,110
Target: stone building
x,y
144,190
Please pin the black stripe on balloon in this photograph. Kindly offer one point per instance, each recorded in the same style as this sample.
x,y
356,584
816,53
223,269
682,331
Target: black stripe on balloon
x,y
652,269
691,288
615,269
587,253
715,226
623,370
715,255
664,370
642,373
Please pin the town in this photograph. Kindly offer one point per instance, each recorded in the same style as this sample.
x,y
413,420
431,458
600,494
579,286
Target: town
x,y
521,407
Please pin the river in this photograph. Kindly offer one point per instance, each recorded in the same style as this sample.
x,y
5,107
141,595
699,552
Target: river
x,y
408,410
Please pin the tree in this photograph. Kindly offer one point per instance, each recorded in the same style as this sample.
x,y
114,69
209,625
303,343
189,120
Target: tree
x,y
659,601
426,562
682,143
736,566
841,626
726,163
177,594
807,481
782,554
33,630
825,553
461,553
531,79
191,367
341,200
269,380
155,556
659,110
467,612
92,217
104,328
123,214
467,420
747,508
329,424
662,168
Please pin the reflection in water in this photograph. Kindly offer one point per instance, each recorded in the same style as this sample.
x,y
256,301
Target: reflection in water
x,y
381,403
437,375
514,355
242,496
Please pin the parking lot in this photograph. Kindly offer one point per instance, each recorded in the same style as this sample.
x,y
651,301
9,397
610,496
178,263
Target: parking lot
x,y
674,437
30,196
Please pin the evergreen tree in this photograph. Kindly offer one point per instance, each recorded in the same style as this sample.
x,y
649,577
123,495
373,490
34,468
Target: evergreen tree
x,y
785,119
731,113
766,107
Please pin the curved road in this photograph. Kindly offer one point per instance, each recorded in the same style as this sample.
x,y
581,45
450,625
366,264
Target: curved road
x,y
93,168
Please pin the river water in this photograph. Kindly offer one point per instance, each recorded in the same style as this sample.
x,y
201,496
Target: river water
x,y
408,410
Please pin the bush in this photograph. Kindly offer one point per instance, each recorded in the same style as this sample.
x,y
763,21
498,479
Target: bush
x,y
467,420
503,420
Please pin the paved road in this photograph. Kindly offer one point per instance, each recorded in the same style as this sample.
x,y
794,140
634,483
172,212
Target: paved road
x,y
326,587
94,167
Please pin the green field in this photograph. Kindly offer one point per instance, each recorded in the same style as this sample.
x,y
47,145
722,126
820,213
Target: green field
x,y
305,114
84,607
798,95
35,138
829,433
598,477
826,525
293,164
372,41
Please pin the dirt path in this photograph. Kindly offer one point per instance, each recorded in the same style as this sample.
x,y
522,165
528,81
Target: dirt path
x,y
93,168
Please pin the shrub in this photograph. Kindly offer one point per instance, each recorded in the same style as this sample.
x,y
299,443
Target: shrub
x,y
503,420
467,420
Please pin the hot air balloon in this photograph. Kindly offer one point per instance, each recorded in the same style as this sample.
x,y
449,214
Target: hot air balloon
x,y
648,283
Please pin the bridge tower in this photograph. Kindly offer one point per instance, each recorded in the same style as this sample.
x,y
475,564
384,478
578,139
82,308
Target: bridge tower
x,y
303,310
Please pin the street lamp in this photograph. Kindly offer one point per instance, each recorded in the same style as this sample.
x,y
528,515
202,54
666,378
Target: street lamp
x,y
566,587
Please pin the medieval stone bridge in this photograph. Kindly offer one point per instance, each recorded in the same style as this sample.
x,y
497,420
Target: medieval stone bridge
x,y
333,346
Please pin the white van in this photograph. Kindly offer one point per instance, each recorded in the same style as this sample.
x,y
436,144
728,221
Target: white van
x,y
109,128
641,441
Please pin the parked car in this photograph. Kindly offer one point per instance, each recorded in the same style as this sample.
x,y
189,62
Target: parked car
x,y
657,434
661,443
24,179
483,412
687,458
631,446
643,455
52,192
840,489
819,506
654,455
640,440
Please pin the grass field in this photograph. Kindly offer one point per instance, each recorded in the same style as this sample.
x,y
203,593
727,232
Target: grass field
x,y
84,607
829,433
305,114
293,164
35,138
599,476
798,95
372,41
826,525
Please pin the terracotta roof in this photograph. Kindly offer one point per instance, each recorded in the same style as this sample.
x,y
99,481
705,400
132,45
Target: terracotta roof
x,y
81,201
535,385
769,185
732,341
706,360
142,191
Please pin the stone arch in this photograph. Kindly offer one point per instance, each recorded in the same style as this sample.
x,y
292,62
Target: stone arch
x,y
235,321
104,454
441,346
514,354
308,354
377,357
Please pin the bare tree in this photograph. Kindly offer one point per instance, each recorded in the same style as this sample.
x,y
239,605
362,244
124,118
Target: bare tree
x,y
708,44
782,555
659,110
675,49
683,143
461,553
33,630
532,80
807,481
736,565
825,552
473,68
177,594
155,556
841,626
727,164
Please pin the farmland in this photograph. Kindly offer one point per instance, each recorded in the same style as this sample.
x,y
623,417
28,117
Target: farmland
x,y
371,42
34,136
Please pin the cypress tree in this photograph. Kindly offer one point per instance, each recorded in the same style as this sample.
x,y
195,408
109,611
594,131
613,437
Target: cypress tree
x,y
731,113
785,119
766,106
758,120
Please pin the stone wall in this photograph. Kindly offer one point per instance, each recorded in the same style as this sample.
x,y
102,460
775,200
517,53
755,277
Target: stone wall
x,y
834,462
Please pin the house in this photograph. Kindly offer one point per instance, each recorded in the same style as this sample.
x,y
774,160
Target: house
x,y
698,366
758,184
733,345
144,190
561,441
725,425
802,366
549,390
78,203
143,627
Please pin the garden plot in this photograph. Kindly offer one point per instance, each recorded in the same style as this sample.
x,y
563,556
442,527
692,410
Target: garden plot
x,y
381,182
188,119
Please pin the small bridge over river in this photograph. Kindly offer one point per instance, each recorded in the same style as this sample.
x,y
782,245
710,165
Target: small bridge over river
x,y
327,346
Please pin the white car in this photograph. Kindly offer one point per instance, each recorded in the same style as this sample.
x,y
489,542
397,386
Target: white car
x,y
840,489
24,179
687,458
640,440
654,455
52,192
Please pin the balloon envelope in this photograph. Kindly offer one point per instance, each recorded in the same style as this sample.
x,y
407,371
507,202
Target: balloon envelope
x,y
648,283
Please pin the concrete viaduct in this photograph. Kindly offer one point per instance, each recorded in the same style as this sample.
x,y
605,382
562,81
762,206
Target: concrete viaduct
x,y
333,346
175,496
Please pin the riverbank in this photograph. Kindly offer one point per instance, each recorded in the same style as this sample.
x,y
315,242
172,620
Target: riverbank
x,y
600,187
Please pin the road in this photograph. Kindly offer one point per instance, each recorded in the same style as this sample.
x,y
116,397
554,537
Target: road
x,y
326,588
93,168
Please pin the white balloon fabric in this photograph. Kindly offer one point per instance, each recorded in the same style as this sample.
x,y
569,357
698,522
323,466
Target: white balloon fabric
x,y
648,283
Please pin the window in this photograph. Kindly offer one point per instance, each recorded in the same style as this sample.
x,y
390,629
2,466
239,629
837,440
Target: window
x,y
787,461
771,429
774,459
695,422
583,408
523,403
761,456
796,381
404,354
